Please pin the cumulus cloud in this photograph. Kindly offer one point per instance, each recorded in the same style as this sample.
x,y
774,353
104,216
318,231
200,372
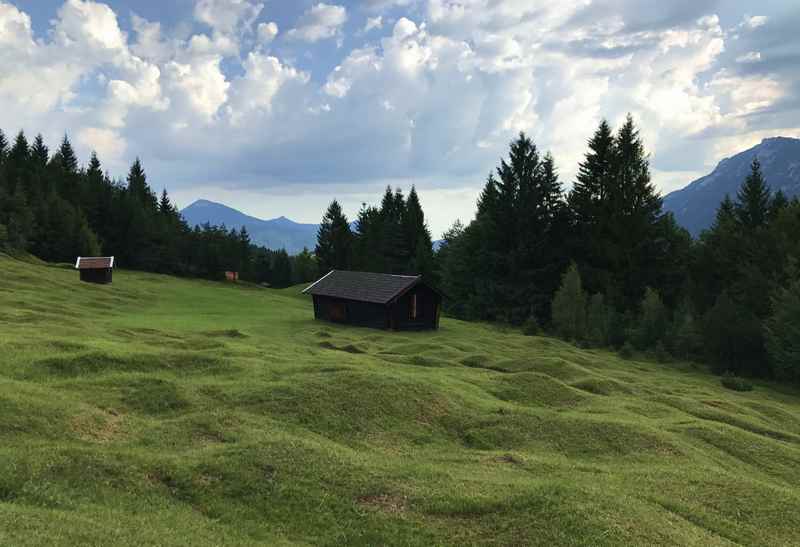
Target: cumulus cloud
x,y
321,22
754,21
226,16
749,57
267,32
373,23
433,94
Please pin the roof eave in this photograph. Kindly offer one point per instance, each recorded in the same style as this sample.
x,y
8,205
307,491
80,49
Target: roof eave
x,y
305,291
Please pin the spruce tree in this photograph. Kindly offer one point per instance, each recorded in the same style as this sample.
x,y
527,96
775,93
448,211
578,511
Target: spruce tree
x,y
40,155
334,241
67,158
165,206
726,214
367,240
3,147
138,188
754,199
590,209
395,255
417,237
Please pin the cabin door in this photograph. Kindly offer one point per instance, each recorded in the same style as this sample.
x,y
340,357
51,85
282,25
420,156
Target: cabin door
x,y
338,311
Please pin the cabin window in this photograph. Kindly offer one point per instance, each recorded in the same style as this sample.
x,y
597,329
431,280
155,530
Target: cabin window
x,y
413,307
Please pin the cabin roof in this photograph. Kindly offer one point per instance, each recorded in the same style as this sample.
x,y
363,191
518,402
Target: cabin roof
x,y
94,262
376,288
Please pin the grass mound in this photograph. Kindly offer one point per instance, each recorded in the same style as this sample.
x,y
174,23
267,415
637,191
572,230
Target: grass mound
x,y
174,412
98,362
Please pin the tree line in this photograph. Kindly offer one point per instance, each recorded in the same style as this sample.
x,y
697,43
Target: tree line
x,y
604,265
55,209
601,264
390,238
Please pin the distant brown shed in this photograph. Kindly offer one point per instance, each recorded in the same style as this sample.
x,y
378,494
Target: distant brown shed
x,y
232,277
383,301
95,269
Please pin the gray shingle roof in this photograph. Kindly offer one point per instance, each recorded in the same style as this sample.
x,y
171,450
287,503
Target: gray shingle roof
x,y
362,286
94,262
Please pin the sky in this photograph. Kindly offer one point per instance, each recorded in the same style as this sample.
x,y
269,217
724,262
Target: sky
x,y
276,107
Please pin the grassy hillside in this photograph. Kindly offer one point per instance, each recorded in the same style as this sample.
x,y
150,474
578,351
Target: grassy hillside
x,y
158,411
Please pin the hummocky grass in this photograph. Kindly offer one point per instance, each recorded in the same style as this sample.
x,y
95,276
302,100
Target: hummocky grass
x,y
160,411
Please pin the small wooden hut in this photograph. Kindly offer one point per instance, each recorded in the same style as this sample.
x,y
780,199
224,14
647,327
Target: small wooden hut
x,y
383,301
231,277
95,269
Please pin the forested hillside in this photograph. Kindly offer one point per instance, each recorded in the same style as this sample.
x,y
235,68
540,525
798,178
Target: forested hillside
x,y
637,280
694,205
56,209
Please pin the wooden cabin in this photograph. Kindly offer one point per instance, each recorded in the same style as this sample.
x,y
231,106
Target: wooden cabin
x,y
95,269
382,301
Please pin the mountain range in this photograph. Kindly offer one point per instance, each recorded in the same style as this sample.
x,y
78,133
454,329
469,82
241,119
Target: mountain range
x,y
276,233
695,205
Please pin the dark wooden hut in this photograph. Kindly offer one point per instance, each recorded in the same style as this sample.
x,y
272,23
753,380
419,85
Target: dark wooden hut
x,y
383,301
95,269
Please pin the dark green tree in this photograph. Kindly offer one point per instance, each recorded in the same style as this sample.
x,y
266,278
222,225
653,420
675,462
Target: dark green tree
x,y
782,331
569,306
417,237
754,199
334,241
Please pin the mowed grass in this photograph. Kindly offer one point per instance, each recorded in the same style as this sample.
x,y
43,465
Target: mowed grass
x,y
159,411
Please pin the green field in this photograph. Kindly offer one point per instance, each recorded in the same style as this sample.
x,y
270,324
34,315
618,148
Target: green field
x,y
159,411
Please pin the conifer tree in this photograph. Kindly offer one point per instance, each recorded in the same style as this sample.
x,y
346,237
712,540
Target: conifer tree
x,y
138,188
40,154
367,240
334,240
165,206
754,199
67,159
3,147
394,251
17,167
588,203
418,237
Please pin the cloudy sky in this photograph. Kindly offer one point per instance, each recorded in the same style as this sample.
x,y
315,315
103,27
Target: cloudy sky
x,y
277,106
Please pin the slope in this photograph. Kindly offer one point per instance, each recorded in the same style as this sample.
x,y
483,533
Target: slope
x,y
695,205
277,233
160,411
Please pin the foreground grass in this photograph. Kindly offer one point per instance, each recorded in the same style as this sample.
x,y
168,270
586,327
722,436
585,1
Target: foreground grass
x,y
159,411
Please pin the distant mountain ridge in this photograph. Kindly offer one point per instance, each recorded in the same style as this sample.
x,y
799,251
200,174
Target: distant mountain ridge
x,y
276,233
695,206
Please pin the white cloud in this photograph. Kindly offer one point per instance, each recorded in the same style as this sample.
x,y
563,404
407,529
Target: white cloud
x,y
108,144
373,23
433,98
226,16
755,21
200,83
321,22
749,57
263,78
267,32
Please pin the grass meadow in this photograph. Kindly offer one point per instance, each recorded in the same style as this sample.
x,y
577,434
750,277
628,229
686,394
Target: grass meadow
x,y
160,411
